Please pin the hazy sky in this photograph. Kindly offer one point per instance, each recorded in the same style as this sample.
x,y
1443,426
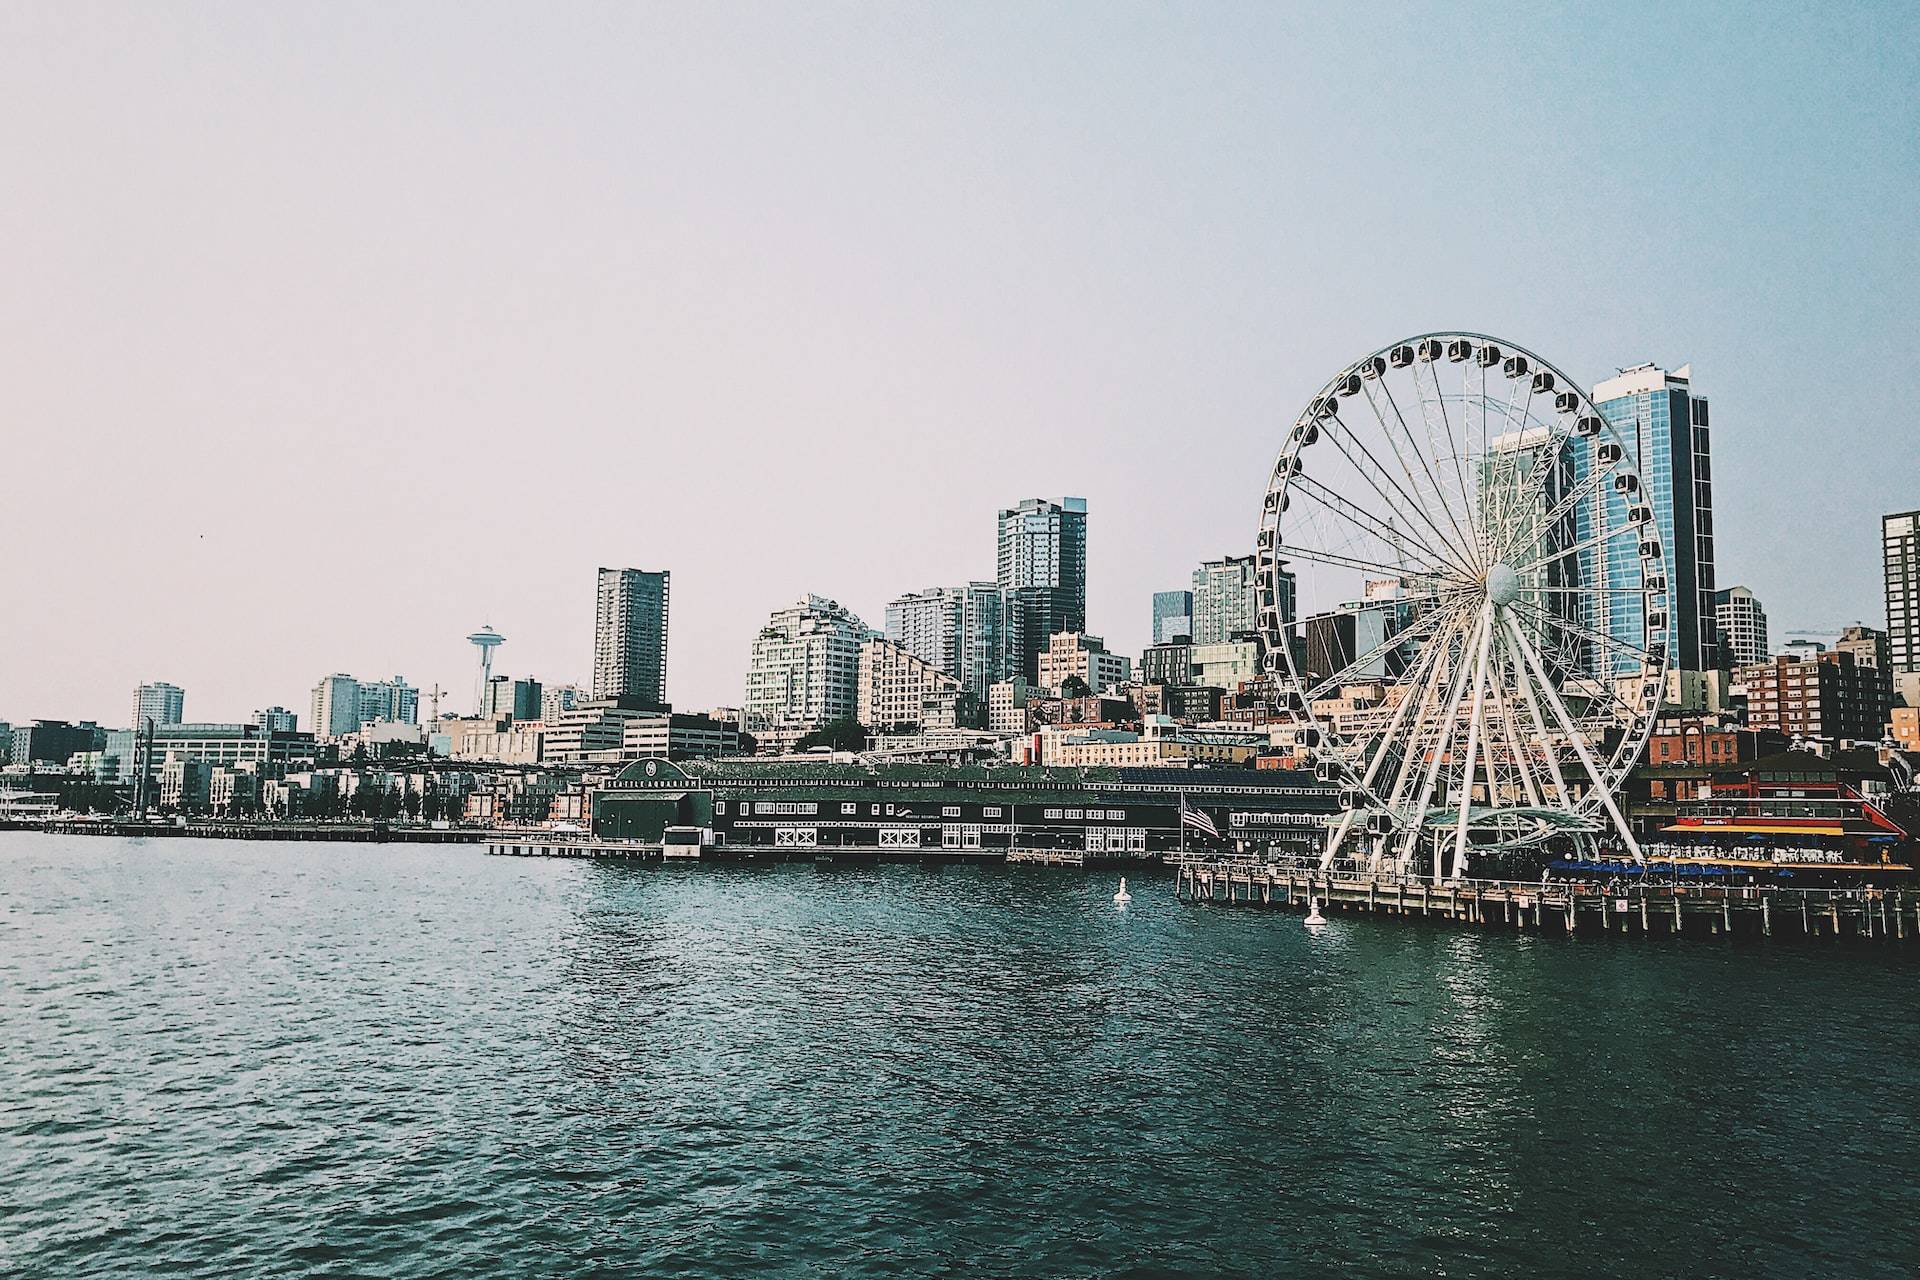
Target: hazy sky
x,y
333,331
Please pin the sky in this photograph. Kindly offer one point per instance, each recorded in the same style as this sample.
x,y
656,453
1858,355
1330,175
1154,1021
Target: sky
x,y
332,332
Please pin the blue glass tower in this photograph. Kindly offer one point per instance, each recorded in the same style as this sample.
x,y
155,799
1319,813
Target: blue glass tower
x,y
1664,428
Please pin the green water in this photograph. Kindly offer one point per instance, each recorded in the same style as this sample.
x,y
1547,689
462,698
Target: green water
x,y
227,1059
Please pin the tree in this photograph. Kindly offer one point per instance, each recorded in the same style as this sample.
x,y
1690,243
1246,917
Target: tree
x,y
1074,687
842,735
412,804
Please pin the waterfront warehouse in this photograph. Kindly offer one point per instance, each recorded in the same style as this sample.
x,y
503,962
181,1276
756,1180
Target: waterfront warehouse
x,y
747,805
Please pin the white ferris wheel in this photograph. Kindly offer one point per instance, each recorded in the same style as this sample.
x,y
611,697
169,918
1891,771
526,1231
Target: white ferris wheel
x,y
1463,595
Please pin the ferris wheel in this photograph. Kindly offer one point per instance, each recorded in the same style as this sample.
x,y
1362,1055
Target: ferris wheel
x,y
1463,596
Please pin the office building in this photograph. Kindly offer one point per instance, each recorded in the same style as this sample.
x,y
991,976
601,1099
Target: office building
x,y
1170,663
1226,665
1225,603
556,698
804,670
225,745
1741,625
630,635
1172,616
1043,569
894,683
159,702
1664,428
506,696
275,720
677,736
1826,696
1900,558
54,741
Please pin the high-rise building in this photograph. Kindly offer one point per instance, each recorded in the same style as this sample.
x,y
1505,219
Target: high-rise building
x,y
336,706
968,632
389,702
505,696
1043,569
1664,427
1172,616
341,704
630,635
159,702
804,670
1900,552
1741,625
1225,602
276,720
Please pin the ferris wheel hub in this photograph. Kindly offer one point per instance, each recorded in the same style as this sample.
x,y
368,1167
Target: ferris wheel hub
x,y
1503,584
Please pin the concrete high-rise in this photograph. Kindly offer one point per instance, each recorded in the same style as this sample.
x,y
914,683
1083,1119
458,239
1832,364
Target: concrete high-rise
x,y
1900,557
804,671
1741,625
630,635
336,706
159,702
276,720
1043,569
1664,427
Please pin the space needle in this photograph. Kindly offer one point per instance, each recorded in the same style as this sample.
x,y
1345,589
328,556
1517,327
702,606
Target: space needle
x,y
486,640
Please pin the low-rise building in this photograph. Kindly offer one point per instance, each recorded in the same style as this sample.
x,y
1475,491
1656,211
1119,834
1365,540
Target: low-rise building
x,y
670,736
1828,697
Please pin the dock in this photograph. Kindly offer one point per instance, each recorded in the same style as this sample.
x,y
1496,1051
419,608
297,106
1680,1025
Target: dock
x,y
1565,907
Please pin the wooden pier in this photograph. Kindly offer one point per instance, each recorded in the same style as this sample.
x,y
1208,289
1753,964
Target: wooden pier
x,y
1567,907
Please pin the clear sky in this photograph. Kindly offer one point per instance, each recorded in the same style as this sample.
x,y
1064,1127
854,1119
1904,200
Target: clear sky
x,y
331,332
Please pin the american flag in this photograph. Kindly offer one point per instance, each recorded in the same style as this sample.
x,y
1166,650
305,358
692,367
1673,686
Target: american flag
x,y
1197,819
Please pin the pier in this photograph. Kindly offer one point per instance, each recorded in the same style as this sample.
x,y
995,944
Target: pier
x,y
1566,907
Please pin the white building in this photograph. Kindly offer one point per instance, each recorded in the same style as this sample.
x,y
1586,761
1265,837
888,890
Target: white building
x,y
804,671
1225,603
1071,654
1742,626
894,682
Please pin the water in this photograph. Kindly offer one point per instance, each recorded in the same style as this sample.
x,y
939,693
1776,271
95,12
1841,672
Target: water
x,y
227,1059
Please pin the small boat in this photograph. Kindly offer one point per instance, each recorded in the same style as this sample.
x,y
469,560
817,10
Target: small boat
x,y
1314,919
1122,898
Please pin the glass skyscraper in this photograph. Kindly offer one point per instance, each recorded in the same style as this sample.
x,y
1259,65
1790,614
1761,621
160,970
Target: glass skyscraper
x,y
1664,427
1043,571
630,635
966,632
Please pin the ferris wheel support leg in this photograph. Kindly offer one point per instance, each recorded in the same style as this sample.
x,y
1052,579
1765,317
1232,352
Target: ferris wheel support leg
x,y
1475,724
1540,727
1579,744
1428,660
1515,742
1419,821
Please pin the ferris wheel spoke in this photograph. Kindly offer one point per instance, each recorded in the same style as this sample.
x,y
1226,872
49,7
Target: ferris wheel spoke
x,y
1405,543
1440,673
1341,560
1476,729
1547,748
1516,742
1426,465
1567,504
1455,447
1613,642
1346,675
1457,549
1585,544
1601,781
1375,468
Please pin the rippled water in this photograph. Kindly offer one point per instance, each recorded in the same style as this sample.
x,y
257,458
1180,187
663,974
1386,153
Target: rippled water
x,y
230,1059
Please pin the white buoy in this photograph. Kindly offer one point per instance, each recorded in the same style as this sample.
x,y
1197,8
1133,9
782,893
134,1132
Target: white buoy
x,y
1314,918
1122,898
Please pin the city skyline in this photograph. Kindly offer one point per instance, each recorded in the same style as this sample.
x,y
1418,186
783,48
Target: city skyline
x,y
1129,242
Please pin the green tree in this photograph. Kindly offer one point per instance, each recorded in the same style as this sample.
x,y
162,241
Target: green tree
x,y
1074,687
842,735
